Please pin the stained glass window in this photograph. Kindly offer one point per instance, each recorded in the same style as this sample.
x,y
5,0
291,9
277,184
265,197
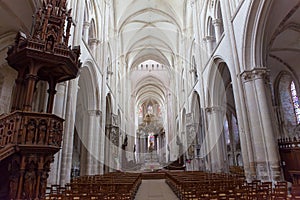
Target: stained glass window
x,y
295,101
226,132
140,112
235,129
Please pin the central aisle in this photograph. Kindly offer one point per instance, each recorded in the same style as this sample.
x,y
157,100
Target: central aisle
x,y
155,190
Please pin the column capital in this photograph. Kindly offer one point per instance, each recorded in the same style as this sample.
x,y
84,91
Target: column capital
x,y
215,109
255,73
209,38
94,41
86,24
217,22
94,112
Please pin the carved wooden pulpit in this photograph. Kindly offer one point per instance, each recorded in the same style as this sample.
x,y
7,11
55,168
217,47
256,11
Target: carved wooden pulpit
x,y
28,139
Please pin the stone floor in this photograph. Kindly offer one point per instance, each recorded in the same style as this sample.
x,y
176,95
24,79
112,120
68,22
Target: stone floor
x,y
155,190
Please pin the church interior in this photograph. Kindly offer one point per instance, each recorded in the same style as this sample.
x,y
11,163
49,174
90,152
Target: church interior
x,y
149,100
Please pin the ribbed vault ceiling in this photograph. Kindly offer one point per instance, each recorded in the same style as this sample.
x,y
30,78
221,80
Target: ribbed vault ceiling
x,y
149,29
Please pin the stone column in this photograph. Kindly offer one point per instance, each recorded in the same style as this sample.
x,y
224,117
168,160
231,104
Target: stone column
x,y
217,25
68,138
216,149
97,142
262,128
90,140
209,43
107,149
59,110
245,137
86,26
93,44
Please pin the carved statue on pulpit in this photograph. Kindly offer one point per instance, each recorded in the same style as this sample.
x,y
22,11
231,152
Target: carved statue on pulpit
x,y
13,169
30,182
43,184
30,137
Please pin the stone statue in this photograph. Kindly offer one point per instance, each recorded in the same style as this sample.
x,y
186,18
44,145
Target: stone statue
x,y
180,150
125,143
151,147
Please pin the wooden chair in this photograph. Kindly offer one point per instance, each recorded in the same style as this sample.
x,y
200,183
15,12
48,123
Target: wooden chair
x,y
295,192
280,191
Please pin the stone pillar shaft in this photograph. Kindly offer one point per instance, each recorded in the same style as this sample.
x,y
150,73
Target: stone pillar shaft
x,y
217,25
261,125
67,149
86,26
209,40
216,117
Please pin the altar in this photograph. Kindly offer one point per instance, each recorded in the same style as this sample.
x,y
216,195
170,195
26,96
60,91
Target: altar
x,y
151,162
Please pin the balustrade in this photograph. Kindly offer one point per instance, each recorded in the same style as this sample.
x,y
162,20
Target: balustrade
x,y
22,129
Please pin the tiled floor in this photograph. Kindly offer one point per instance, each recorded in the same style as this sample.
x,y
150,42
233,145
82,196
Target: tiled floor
x,y
155,190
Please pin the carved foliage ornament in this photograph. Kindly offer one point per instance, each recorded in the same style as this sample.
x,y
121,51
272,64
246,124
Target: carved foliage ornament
x,y
256,73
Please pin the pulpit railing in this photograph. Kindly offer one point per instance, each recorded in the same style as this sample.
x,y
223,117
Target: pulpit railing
x,y
19,130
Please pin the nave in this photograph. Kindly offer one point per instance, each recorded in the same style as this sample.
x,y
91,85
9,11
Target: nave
x,y
90,87
155,190
168,185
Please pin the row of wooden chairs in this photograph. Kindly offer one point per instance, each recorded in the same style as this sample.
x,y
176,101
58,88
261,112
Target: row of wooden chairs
x,y
238,170
111,186
201,185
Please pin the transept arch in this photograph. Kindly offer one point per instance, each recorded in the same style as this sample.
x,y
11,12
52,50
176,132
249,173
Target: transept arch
x,y
87,111
222,128
200,138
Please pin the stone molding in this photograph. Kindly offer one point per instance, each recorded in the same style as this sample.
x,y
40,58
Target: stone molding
x,y
217,22
215,109
209,38
256,73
